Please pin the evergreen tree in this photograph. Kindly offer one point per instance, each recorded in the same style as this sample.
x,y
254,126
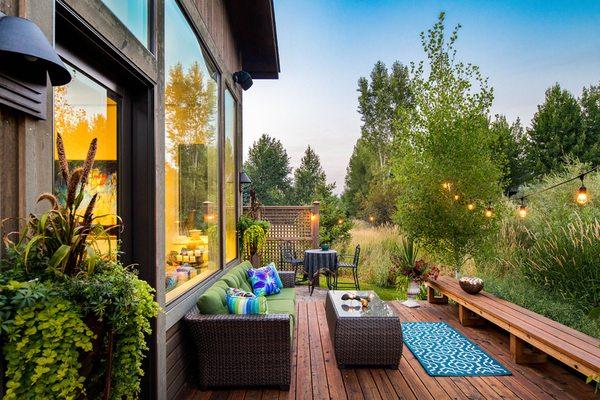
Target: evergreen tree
x,y
310,182
556,132
508,151
590,108
268,166
359,174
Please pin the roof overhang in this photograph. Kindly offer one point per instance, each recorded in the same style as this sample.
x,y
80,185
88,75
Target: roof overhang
x,y
253,23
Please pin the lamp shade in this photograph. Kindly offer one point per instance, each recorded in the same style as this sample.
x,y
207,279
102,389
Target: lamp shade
x,y
25,49
244,179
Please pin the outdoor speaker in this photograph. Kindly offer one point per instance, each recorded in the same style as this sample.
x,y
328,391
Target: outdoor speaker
x,y
243,79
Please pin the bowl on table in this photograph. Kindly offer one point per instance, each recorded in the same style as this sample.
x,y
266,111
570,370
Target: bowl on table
x,y
470,284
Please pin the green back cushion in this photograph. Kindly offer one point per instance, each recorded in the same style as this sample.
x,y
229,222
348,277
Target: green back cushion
x,y
213,301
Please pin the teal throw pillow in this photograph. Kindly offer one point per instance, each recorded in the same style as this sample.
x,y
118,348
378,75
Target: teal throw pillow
x,y
276,275
246,303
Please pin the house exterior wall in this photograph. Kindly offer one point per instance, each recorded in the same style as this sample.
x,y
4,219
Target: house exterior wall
x,y
26,147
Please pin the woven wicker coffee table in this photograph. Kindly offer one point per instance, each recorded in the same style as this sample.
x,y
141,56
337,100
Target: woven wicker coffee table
x,y
370,336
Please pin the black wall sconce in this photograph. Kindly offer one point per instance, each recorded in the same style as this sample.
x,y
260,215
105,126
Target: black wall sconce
x,y
244,180
26,59
243,79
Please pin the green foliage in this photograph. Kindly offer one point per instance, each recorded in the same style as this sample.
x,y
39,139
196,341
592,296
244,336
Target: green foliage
x,y
334,224
254,239
359,175
590,110
37,364
268,166
509,151
556,132
310,182
68,311
446,139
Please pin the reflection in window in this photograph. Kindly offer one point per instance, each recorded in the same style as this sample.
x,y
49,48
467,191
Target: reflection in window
x,y
230,179
133,14
191,158
84,110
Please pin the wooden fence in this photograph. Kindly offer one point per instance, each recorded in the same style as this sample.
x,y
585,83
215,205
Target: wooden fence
x,y
298,225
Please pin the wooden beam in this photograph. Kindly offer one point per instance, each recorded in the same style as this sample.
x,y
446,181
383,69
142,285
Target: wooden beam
x,y
433,299
522,355
468,317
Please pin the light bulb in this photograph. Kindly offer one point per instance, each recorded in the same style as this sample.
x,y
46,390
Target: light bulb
x,y
471,206
371,218
522,211
340,221
456,197
582,196
488,212
447,185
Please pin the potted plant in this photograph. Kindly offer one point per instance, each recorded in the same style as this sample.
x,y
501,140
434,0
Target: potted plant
x,y
417,271
254,235
73,319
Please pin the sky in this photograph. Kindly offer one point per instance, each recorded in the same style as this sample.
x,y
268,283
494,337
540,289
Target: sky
x,y
524,47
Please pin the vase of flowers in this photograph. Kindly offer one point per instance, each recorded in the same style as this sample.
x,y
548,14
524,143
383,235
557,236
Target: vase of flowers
x,y
417,271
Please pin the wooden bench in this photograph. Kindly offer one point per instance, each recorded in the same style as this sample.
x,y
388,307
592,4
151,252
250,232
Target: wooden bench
x,y
545,336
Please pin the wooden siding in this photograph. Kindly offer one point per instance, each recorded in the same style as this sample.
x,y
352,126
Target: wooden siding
x,y
214,15
178,361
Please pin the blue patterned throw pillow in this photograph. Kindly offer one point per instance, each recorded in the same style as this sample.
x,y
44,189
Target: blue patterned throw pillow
x,y
276,275
263,281
244,305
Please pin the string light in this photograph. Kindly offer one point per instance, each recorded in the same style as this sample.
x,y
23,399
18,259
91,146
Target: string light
x,y
371,218
447,185
582,194
522,209
470,206
456,197
489,212
340,221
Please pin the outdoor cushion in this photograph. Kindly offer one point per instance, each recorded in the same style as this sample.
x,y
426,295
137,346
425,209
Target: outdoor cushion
x,y
263,281
246,305
240,272
213,300
285,294
276,275
282,306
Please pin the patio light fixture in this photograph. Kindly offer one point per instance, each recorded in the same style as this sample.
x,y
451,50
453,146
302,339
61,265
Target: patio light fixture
x,y
243,78
470,206
489,212
582,194
522,209
27,54
244,180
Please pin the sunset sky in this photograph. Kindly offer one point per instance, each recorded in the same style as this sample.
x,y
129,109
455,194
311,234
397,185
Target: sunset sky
x,y
325,46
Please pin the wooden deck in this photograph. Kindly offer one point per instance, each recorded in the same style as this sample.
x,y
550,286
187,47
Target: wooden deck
x,y
316,375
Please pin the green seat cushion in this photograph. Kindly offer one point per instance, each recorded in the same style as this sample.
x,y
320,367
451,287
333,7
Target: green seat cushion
x,y
240,272
283,306
285,294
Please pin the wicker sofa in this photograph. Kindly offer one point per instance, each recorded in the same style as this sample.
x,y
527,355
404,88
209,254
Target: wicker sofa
x,y
243,350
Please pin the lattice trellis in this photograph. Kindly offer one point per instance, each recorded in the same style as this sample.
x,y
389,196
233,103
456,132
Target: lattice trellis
x,y
296,224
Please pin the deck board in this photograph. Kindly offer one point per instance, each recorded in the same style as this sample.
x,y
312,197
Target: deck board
x,y
315,374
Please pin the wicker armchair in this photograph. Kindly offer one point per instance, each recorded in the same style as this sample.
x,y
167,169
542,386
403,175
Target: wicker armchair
x,y
243,350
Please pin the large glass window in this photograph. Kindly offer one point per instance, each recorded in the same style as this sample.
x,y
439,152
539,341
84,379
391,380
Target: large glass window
x,y
191,158
231,178
133,14
84,110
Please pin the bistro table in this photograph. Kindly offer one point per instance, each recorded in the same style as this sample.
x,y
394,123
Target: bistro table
x,y
316,260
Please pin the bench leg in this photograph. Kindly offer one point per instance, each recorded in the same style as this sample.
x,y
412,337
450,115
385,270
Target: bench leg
x,y
433,299
468,317
522,355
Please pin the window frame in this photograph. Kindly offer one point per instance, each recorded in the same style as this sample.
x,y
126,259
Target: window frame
x,y
211,62
236,155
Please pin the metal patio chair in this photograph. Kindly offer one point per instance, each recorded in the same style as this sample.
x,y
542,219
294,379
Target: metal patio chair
x,y
352,266
288,256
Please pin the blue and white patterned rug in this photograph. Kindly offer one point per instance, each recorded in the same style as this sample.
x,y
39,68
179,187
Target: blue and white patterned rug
x,y
443,351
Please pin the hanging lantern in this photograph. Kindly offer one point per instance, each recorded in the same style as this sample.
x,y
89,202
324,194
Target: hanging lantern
x,y
582,193
522,209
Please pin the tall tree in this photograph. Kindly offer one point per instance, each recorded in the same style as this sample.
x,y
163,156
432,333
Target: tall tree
x,y
268,166
590,108
556,132
310,182
359,175
508,151
443,150
379,102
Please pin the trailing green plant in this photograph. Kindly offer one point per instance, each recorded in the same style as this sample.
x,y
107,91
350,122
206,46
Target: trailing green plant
x,y
73,319
254,240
